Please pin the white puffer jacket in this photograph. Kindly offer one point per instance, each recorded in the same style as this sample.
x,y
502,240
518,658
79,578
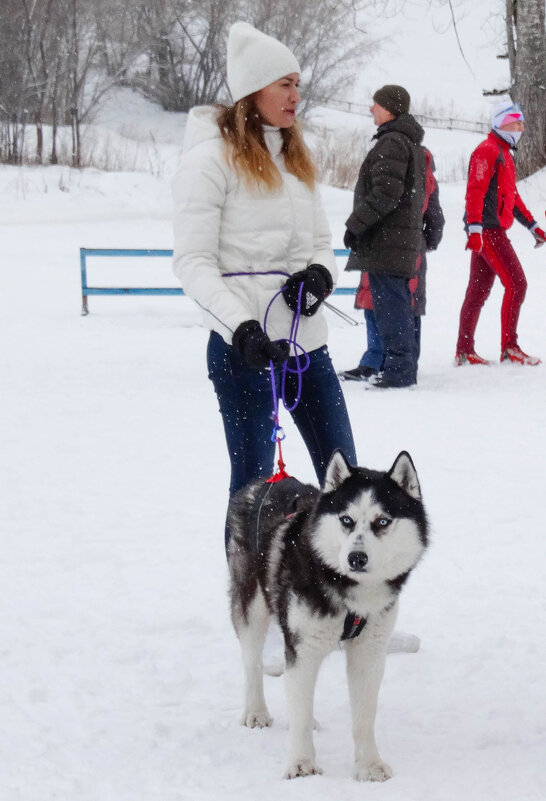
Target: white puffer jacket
x,y
223,226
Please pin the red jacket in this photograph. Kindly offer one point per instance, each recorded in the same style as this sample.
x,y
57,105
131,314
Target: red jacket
x,y
492,199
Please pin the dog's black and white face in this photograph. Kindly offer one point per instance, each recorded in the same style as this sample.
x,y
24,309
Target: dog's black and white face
x,y
370,525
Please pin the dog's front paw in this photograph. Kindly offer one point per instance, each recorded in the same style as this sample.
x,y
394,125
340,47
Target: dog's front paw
x,y
256,720
302,767
376,771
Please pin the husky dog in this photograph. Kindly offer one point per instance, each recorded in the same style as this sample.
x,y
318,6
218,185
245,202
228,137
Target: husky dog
x,y
328,565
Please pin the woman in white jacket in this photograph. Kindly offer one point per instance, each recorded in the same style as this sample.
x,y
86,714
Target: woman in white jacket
x,y
253,248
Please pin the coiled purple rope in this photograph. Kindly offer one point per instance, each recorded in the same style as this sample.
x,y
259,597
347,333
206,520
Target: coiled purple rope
x,y
299,353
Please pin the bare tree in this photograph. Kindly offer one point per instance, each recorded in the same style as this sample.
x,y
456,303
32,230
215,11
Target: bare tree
x,y
117,25
526,43
52,70
59,57
41,47
14,83
185,44
322,35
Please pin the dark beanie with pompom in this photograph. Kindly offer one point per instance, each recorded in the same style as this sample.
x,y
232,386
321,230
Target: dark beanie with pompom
x,y
393,98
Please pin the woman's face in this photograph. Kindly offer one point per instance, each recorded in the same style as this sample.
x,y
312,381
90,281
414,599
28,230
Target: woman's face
x,y
513,126
277,102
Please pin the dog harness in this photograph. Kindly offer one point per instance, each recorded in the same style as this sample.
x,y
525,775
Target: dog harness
x,y
352,626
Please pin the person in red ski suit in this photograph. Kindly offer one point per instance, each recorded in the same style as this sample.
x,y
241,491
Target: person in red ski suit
x,y
492,203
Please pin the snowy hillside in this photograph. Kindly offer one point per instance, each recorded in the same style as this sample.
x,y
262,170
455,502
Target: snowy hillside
x,y
120,674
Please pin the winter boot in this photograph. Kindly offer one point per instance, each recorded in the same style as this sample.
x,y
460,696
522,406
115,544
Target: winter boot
x,y
359,373
516,355
471,357
381,381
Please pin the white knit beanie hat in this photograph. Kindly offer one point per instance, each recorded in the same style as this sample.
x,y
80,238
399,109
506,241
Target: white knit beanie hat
x,y
254,60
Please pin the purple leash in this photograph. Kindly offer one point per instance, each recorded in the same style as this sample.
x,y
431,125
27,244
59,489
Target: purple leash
x,y
299,354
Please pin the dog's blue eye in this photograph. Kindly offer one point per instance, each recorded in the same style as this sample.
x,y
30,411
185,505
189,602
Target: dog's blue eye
x,y
380,525
346,521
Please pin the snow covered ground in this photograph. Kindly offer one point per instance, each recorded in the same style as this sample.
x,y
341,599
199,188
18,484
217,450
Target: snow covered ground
x,y
120,677
120,672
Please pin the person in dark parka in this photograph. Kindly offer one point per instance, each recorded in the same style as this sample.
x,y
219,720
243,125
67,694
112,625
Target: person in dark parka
x,y
373,358
384,231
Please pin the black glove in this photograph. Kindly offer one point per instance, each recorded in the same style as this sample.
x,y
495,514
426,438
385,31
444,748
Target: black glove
x,y
256,348
317,285
350,240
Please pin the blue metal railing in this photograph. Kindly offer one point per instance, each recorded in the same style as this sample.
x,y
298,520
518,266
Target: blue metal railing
x,y
118,290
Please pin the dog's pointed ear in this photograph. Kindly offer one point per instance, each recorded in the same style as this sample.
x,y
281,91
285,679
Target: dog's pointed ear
x,y
337,471
404,474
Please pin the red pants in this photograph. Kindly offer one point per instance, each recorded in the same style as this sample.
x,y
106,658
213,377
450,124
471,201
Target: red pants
x,y
496,258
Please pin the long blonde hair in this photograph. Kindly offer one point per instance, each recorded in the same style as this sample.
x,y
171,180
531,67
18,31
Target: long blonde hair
x,y
242,131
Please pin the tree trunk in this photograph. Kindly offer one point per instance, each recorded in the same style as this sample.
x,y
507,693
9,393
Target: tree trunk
x,y
529,81
511,6
76,142
39,141
54,159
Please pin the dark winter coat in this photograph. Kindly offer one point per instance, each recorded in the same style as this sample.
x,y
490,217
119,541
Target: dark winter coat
x,y
387,213
492,199
433,227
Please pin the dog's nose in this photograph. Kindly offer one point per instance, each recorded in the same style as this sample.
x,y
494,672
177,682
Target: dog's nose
x,y
357,561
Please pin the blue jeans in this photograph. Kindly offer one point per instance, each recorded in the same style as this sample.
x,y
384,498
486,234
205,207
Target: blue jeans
x,y
395,322
245,398
374,355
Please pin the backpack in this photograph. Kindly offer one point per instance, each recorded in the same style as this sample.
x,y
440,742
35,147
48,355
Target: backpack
x,y
430,180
